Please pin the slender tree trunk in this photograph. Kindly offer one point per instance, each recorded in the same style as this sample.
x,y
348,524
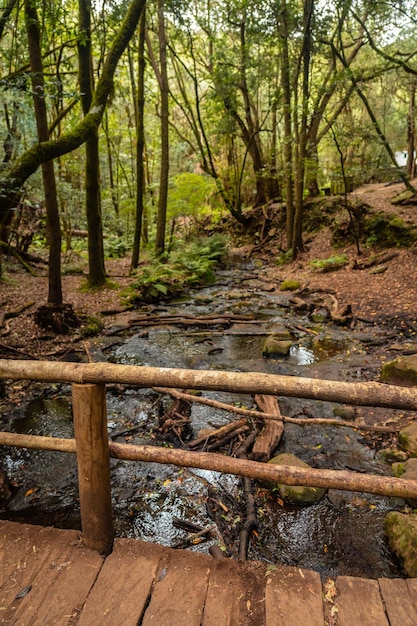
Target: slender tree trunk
x,y
411,132
297,241
140,142
113,186
288,138
164,174
48,175
96,269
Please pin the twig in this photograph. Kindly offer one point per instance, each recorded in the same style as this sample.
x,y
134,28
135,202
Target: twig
x,y
189,540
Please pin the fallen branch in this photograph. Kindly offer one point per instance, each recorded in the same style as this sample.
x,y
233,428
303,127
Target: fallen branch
x,y
4,346
273,416
272,431
217,433
20,309
210,530
221,442
384,258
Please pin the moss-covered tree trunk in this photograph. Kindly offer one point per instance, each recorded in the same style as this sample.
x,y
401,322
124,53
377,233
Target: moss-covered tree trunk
x,y
96,269
48,175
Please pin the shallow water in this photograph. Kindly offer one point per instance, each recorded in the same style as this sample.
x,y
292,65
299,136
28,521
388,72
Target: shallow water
x,y
343,534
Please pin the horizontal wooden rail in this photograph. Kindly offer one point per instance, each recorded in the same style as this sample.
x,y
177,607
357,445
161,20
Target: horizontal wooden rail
x,y
287,475
363,394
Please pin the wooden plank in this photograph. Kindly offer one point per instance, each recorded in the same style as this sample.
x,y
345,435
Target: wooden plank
x,y
235,595
180,590
293,598
400,602
359,602
55,570
121,592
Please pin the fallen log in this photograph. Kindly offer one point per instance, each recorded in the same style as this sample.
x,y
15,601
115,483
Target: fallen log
x,y
271,434
287,475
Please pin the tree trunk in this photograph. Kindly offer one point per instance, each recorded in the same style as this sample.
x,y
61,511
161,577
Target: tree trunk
x,y
140,142
44,151
164,174
48,175
411,132
96,269
288,138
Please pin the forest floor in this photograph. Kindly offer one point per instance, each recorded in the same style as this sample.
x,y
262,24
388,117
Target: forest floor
x,y
373,296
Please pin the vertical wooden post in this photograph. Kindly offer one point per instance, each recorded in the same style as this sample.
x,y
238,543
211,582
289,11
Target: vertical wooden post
x,y
90,427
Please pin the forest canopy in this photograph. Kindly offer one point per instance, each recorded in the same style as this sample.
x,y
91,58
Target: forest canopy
x,y
124,120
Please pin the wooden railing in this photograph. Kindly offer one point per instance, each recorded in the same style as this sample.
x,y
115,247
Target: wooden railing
x,y
94,450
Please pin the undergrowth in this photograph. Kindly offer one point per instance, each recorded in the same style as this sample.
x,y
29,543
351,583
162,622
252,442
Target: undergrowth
x,y
188,265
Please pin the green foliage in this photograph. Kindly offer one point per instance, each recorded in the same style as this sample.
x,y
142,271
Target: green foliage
x,y
92,327
192,265
331,264
190,192
388,231
284,258
115,247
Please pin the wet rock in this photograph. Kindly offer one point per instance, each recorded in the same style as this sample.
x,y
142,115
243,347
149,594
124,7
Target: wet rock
x,y
405,470
340,498
319,315
407,438
289,285
391,455
401,531
275,346
401,371
347,413
296,495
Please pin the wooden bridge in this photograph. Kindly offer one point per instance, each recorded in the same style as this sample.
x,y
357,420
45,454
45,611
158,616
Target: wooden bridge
x,y
47,577
50,576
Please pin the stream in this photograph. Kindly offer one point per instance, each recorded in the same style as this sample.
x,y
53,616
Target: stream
x,y
341,535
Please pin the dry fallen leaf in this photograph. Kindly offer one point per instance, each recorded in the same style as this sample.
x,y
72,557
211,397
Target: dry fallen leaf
x,y
330,591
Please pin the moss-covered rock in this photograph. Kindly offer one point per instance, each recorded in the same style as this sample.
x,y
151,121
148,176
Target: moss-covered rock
x,y
401,531
296,495
391,455
274,346
401,371
405,470
407,439
291,284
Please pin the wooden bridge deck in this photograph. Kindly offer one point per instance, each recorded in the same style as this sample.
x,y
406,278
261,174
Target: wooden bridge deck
x,y
47,577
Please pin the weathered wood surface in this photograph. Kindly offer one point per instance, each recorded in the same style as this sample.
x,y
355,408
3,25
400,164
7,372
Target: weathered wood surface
x,y
61,582
362,394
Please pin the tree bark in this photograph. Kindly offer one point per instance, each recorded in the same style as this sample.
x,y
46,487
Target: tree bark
x,y
140,142
96,269
164,164
48,175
